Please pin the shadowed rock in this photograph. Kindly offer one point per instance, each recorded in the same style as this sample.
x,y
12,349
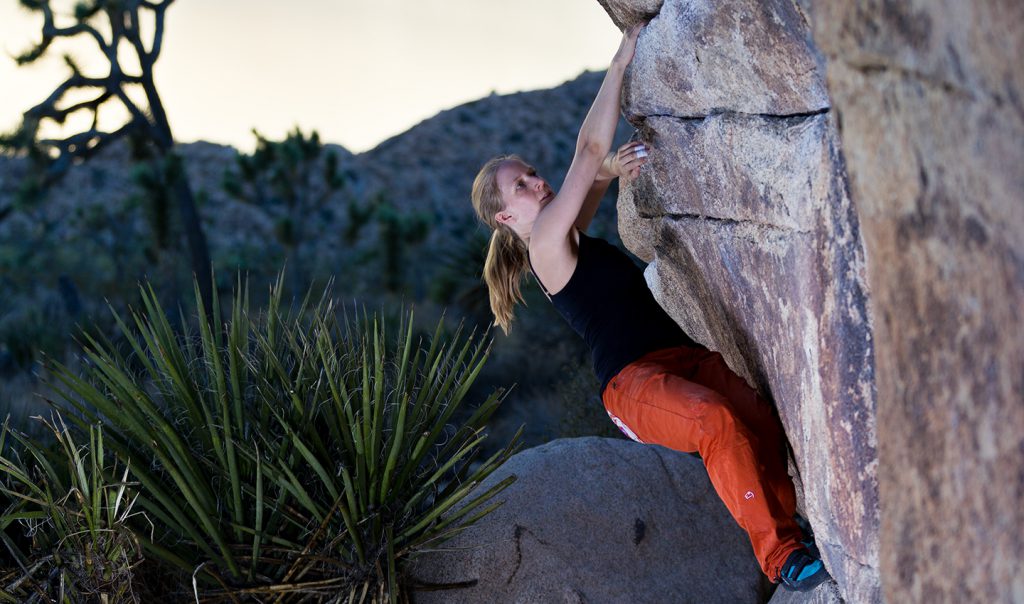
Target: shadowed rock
x,y
930,100
827,593
599,520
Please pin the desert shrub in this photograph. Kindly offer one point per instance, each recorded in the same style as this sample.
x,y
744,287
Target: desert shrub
x,y
293,453
74,506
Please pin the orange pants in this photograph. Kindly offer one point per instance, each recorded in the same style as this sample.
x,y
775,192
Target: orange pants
x,y
688,399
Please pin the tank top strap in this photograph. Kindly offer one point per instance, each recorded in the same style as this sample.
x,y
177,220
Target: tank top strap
x,y
534,272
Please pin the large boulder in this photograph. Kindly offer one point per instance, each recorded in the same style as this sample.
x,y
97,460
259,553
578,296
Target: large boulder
x,y
881,229
754,244
598,520
931,98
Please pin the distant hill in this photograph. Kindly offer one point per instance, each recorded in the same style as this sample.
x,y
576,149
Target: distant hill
x,y
93,239
433,163
428,168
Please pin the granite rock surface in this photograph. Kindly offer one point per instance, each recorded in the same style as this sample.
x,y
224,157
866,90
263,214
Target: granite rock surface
x,y
929,95
754,244
860,259
598,520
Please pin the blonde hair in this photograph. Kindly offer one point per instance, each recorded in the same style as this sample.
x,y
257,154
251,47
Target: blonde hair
x,y
507,259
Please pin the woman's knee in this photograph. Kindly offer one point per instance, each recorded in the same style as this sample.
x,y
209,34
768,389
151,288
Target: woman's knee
x,y
721,425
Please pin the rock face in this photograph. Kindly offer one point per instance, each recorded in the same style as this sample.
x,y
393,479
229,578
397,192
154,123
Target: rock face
x,y
599,520
931,98
827,593
882,228
733,55
754,244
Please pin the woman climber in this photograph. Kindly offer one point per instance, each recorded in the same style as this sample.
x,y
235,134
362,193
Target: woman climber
x,y
658,386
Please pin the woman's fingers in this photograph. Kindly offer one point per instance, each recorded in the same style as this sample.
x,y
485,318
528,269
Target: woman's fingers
x,y
629,158
634,148
634,163
634,32
633,151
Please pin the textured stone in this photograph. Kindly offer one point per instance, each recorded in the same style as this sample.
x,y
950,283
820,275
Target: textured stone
x,y
728,167
928,100
599,520
826,593
936,165
964,47
702,56
721,280
755,247
625,14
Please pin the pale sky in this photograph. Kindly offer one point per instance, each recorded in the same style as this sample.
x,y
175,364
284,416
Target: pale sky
x,y
356,71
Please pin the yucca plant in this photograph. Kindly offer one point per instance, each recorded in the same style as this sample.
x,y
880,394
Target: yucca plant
x,y
296,452
75,509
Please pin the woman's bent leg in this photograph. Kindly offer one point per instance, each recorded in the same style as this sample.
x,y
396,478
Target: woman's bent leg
x,y
660,407
710,370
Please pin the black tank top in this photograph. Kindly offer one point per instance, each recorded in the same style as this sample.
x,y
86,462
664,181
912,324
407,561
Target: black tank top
x,y
608,303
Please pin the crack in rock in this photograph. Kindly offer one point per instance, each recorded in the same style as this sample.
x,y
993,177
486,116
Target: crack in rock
x,y
520,530
639,531
519,553
731,222
802,115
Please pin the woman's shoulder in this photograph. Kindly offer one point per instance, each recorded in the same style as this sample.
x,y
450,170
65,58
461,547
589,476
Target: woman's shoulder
x,y
553,265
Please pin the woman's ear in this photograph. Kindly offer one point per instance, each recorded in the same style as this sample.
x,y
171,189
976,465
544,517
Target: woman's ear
x,y
504,217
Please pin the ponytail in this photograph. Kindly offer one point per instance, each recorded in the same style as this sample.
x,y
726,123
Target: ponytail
x,y
507,257
506,262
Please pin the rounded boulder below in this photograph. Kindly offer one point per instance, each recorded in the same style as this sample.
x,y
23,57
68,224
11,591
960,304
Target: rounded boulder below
x,y
597,520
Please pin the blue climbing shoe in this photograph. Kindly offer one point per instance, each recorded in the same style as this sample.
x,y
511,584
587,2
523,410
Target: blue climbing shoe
x,y
812,548
802,572
808,540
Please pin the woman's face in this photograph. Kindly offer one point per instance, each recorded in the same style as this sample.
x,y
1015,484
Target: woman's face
x,y
523,192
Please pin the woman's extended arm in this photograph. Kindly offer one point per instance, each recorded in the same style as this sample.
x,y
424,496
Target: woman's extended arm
x,y
555,222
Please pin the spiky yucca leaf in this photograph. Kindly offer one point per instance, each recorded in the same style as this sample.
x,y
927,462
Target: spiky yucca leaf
x,y
295,450
76,509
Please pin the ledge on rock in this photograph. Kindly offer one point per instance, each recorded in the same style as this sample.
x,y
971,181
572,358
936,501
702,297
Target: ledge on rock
x,y
768,172
625,14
